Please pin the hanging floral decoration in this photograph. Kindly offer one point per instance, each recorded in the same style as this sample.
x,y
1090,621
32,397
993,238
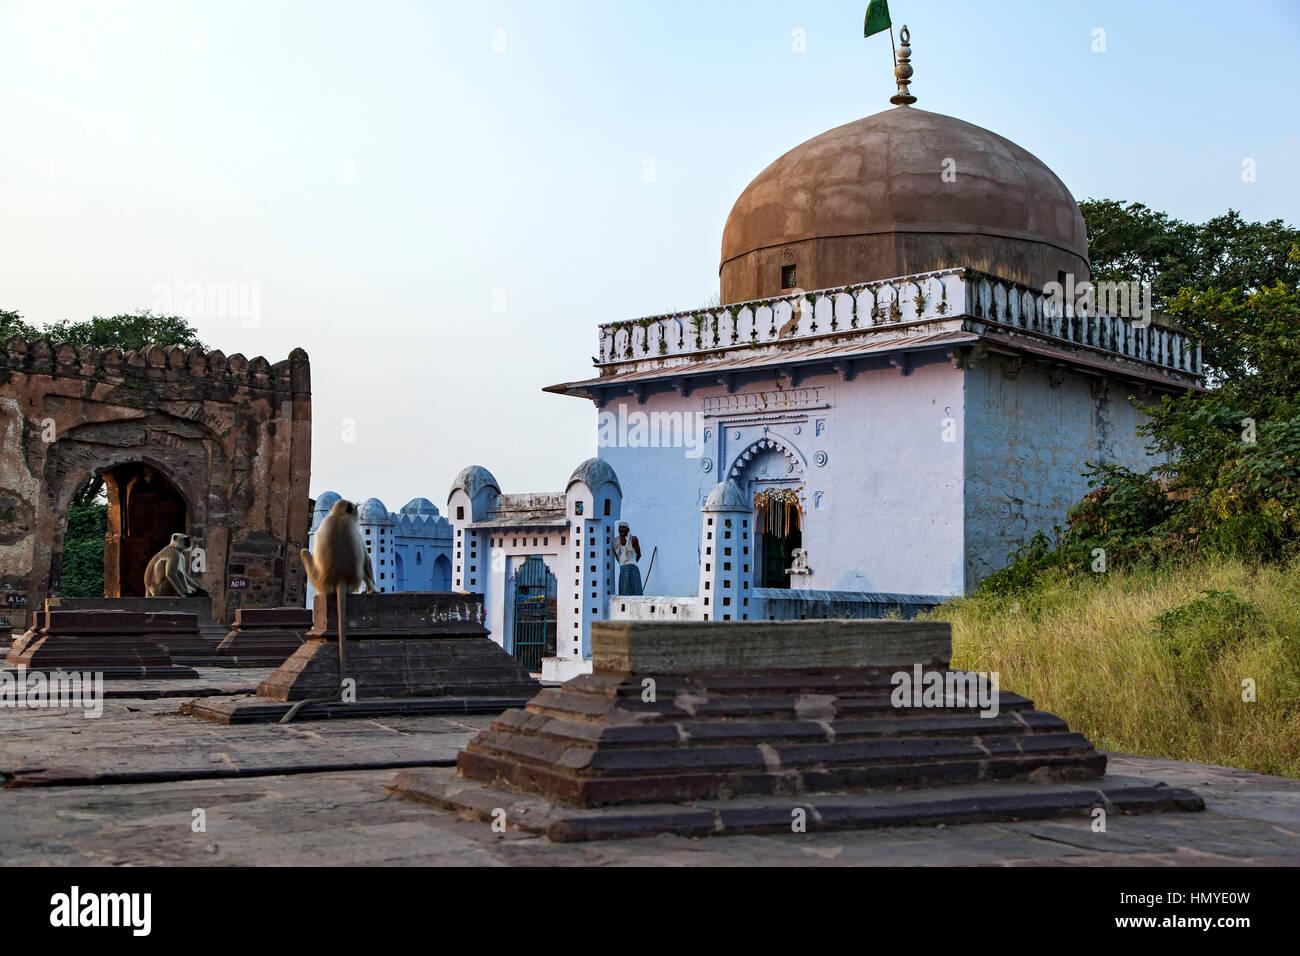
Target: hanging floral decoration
x,y
776,512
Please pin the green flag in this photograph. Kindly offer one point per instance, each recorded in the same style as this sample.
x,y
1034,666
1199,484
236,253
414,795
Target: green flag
x,y
877,18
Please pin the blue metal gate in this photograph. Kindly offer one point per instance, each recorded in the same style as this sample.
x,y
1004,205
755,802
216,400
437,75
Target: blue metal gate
x,y
534,631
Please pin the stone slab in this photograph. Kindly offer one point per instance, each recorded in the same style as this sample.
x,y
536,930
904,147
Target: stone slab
x,y
458,666
816,812
178,632
265,636
599,739
252,709
299,618
141,740
404,614
145,687
59,621
719,647
264,647
200,606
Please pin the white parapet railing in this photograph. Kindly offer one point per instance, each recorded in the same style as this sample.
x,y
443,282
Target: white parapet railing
x,y
877,306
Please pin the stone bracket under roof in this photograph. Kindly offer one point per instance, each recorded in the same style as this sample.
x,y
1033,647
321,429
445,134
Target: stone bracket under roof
x,y
954,314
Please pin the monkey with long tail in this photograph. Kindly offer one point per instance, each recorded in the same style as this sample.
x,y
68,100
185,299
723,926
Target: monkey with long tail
x,y
340,564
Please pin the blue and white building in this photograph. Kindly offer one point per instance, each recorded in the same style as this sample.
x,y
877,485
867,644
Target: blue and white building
x,y
543,561
875,445
887,440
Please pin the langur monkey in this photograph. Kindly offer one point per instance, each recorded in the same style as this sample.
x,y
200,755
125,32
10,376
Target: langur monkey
x,y
165,575
340,564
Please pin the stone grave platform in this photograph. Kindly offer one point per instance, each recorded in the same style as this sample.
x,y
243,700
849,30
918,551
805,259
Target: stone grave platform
x,y
412,652
178,632
212,632
119,644
266,636
713,728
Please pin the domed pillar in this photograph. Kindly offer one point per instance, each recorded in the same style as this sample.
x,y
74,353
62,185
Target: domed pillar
x,y
726,554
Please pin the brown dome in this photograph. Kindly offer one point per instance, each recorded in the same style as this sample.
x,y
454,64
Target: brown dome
x,y
867,201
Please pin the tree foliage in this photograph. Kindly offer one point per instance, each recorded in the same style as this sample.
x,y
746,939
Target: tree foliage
x,y
83,551
125,332
1201,274
11,323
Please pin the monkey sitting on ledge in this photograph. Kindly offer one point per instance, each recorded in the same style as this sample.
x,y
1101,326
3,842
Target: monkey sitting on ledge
x,y
165,575
340,564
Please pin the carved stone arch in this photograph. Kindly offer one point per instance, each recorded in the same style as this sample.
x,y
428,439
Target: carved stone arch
x,y
741,464
92,448
147,502
187,463
76,480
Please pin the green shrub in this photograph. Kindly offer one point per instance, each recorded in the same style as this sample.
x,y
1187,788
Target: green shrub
x,y
1200,631
83,551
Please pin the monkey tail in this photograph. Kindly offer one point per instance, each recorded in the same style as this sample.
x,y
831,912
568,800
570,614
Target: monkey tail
x,y
343,654
343,666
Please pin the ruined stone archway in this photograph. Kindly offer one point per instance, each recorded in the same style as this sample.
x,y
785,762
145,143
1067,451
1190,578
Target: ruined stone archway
x,y
230,436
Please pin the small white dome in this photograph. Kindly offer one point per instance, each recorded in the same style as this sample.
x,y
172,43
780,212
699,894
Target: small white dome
x,y
593,473
726,496
325,502
372,511
472,480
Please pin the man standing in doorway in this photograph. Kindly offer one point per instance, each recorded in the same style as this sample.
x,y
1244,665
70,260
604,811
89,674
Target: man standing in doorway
x,y
627,550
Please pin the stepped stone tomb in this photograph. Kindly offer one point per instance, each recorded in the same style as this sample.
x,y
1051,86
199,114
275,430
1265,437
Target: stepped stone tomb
x,y
703,728
118,644
265,636
409,652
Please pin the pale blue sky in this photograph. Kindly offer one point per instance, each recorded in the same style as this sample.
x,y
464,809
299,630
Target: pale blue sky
x,y
375,171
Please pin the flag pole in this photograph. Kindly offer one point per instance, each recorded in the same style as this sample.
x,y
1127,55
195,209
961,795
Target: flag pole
x,y
891,44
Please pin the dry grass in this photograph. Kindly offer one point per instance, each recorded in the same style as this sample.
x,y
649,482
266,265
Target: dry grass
x,y
1093,653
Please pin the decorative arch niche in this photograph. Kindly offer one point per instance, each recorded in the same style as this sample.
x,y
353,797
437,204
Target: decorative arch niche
x,y
770,463
769,459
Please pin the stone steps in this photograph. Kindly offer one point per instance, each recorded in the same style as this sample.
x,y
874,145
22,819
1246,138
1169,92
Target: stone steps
x,y
678,714
595,740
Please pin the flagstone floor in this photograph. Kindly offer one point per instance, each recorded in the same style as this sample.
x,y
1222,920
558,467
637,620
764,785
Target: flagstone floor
x,y
123,789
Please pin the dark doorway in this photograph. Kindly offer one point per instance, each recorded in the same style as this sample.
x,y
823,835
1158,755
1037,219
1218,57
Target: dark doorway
x,y
144,511
778,528
535,613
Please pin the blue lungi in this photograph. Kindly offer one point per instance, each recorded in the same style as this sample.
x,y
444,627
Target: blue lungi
x,y
629,579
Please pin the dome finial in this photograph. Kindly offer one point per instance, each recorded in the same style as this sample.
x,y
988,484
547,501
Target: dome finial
x,y
903,71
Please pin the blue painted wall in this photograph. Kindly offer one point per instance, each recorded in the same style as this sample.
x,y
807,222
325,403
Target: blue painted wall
x,y
1030,436
913,484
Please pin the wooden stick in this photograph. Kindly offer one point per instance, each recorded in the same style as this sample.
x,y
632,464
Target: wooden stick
x,y
653,552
